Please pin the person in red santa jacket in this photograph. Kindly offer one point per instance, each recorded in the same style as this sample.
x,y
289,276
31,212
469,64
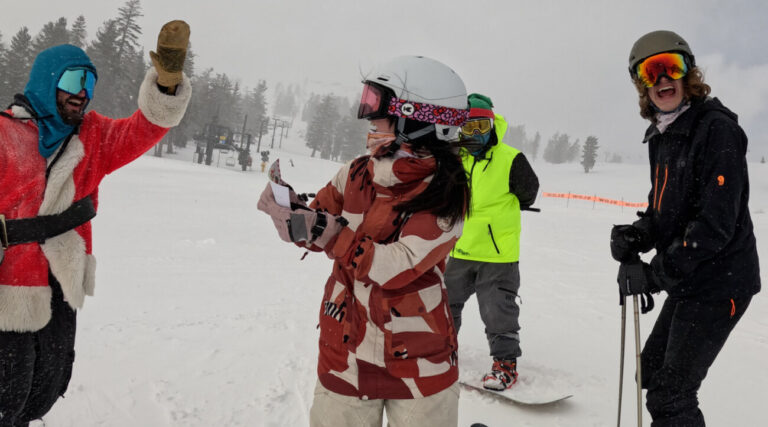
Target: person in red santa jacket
x,y
53,155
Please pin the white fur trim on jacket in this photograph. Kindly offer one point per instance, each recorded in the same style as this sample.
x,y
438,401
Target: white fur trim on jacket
x,y
24,308
68,263
89,284
60,187
66,252
161,109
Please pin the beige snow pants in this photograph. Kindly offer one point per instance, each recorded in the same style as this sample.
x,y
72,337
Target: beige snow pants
x,y
331,409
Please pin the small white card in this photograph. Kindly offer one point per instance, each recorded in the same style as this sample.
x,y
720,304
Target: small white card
x,y
282,194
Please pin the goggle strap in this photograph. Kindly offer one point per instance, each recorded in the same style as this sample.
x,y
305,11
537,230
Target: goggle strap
x,y
402,137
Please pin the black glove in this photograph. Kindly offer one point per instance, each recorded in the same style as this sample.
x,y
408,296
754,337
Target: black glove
x,y
637,278
626,242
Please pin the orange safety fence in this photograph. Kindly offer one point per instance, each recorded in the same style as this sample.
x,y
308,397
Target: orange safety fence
x,y
595,199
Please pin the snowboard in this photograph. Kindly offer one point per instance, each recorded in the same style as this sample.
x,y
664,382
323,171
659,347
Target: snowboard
x,y
515,395
536,384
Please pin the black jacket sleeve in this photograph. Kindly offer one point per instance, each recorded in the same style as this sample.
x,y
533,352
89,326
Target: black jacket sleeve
x,y
523,182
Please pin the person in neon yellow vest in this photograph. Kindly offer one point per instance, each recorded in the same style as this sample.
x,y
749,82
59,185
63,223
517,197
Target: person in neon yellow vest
x,y
485,258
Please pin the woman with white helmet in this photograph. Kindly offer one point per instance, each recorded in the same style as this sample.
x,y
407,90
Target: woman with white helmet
x,y
388,220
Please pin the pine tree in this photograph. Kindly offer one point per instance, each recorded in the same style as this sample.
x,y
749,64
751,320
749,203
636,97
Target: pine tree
x,y
558,148
310,108
256,108
3,85
52,34
224,100
535,144
119,61
573,151
103,54
189,62
589,153
351,135
128,28
285,102
77,34
130,56
18,61
515,137
320,132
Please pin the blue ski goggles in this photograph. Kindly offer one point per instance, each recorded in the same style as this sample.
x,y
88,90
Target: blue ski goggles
x,y
75,80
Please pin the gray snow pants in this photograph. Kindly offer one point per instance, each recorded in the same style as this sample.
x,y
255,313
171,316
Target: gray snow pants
x,y
496,286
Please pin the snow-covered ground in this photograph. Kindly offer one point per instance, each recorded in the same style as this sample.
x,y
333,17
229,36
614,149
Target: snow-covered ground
x,y
203,317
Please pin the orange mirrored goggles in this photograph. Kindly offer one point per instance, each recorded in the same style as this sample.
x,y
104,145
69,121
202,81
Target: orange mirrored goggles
x,y
476,127
672,65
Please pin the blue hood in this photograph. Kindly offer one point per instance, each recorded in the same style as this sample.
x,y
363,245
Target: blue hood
x,y
48,67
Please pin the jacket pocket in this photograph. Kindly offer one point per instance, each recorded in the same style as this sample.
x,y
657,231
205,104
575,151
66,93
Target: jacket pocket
x,y
419,328
493,240
337,326
477,240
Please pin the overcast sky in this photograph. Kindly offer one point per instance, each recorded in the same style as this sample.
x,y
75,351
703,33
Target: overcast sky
x,y
551,65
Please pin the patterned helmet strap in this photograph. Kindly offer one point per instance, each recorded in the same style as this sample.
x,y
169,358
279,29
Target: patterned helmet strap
x,y
429,113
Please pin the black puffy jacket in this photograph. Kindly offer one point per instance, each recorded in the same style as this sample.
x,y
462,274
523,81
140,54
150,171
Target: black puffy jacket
x,y
698,215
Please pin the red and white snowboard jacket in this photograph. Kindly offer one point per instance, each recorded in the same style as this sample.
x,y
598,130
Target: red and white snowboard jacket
x,y
101,146
386,331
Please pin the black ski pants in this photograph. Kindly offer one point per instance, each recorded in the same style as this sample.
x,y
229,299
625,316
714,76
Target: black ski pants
x,y
496,286
35,367
683,344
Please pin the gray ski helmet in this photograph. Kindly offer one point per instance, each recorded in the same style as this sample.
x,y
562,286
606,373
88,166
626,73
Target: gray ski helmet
x,y
658,42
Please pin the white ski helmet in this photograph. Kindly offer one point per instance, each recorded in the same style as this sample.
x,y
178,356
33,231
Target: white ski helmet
x,y
420,89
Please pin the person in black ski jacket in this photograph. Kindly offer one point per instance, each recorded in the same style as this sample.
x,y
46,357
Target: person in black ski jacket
x,y
697,220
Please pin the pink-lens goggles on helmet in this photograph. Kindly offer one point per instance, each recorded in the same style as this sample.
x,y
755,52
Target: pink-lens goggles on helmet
x,y
378,102
374,102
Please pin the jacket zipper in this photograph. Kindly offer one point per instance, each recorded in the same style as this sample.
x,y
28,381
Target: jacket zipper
x,y
487,163
490,231
471,172
656,186
663,186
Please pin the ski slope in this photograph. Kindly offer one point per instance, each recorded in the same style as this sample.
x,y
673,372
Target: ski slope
x,y
203,317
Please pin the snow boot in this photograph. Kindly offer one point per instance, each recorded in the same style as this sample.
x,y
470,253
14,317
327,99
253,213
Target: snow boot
x,y
502,376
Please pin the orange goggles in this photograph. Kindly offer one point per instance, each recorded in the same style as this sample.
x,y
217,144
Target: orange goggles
x,y
668,64
476,127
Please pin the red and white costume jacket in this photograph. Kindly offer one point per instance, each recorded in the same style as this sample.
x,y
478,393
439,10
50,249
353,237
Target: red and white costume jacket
x,y
385,326
101,146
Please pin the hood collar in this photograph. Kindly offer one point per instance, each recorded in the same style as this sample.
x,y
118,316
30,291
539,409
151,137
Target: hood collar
x,y
684,124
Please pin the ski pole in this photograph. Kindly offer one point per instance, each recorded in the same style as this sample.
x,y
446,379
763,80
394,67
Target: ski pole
x,y
638,363
621,358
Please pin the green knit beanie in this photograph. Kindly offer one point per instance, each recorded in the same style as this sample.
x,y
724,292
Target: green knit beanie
x,y
480,106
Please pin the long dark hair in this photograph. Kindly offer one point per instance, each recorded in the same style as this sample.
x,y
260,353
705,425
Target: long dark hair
x,y
447,195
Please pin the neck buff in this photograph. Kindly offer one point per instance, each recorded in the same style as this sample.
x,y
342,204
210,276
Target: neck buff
x,y
44,76
378,141
663,120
